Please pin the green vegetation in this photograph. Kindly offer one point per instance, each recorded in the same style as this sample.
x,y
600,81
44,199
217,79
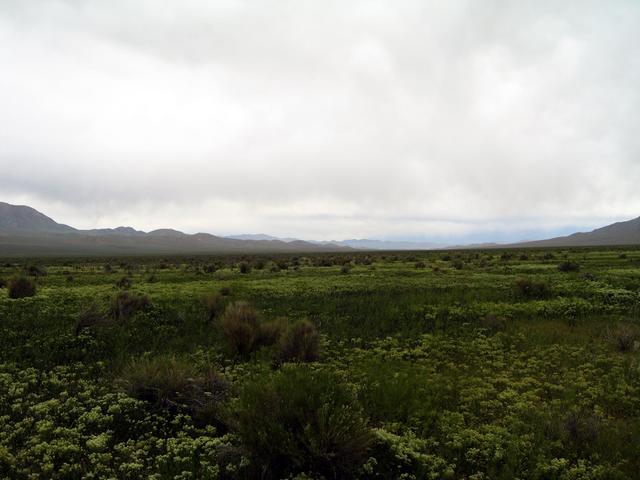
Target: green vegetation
x,y
418,365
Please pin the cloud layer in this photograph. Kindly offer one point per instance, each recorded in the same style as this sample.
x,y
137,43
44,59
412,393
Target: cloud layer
x,y
443,120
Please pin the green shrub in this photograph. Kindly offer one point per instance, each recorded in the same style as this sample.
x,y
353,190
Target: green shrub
x,y
91,316
124,283
36,271
530,289
568,266
493,323
303,421
239,325
127,304
299,343
214,306
21,287
269,333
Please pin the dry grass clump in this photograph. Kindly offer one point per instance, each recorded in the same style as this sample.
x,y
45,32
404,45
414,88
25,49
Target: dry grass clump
x,y
239,324
299,343
172,383
269,333
214,306
623,337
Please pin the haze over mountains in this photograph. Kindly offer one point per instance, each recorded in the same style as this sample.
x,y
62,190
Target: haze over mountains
x,y
25,231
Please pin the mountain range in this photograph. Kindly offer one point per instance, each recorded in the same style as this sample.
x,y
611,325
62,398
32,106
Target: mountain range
x,y
25,231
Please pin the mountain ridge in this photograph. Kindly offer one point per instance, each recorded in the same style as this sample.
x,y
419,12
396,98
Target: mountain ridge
x,y
25,231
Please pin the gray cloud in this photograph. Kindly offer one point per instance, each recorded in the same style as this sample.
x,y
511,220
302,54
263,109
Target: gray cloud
x,y
324,119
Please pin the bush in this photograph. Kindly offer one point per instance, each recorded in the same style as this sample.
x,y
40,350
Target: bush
x,y
299,343
493,323
214,306
90,317
127,304
527,288
568,266
269,333
124,283
303,421
21,287
36,271
623,337
239,325
172,383
3,283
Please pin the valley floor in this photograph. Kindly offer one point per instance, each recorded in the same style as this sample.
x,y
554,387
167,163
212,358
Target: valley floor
x,y
418,365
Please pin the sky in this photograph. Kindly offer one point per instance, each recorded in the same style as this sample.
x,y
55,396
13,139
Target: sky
x,y
446,121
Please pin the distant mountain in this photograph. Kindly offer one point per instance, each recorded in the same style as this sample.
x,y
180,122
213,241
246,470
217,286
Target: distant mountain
x,y
473,246
620,233
112,231
367,244
361,244
20,219
260,236
25,231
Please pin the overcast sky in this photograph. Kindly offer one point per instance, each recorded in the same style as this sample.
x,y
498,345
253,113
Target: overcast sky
x,y
444,120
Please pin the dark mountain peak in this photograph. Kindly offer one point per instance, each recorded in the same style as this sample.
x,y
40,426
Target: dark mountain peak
x,y
114,231
26,220
167,232
127,230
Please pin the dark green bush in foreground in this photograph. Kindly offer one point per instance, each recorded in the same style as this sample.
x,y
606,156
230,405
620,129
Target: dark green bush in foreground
x,y
303,420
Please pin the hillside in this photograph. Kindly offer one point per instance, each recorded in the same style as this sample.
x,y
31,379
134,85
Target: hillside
x,y
620,233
